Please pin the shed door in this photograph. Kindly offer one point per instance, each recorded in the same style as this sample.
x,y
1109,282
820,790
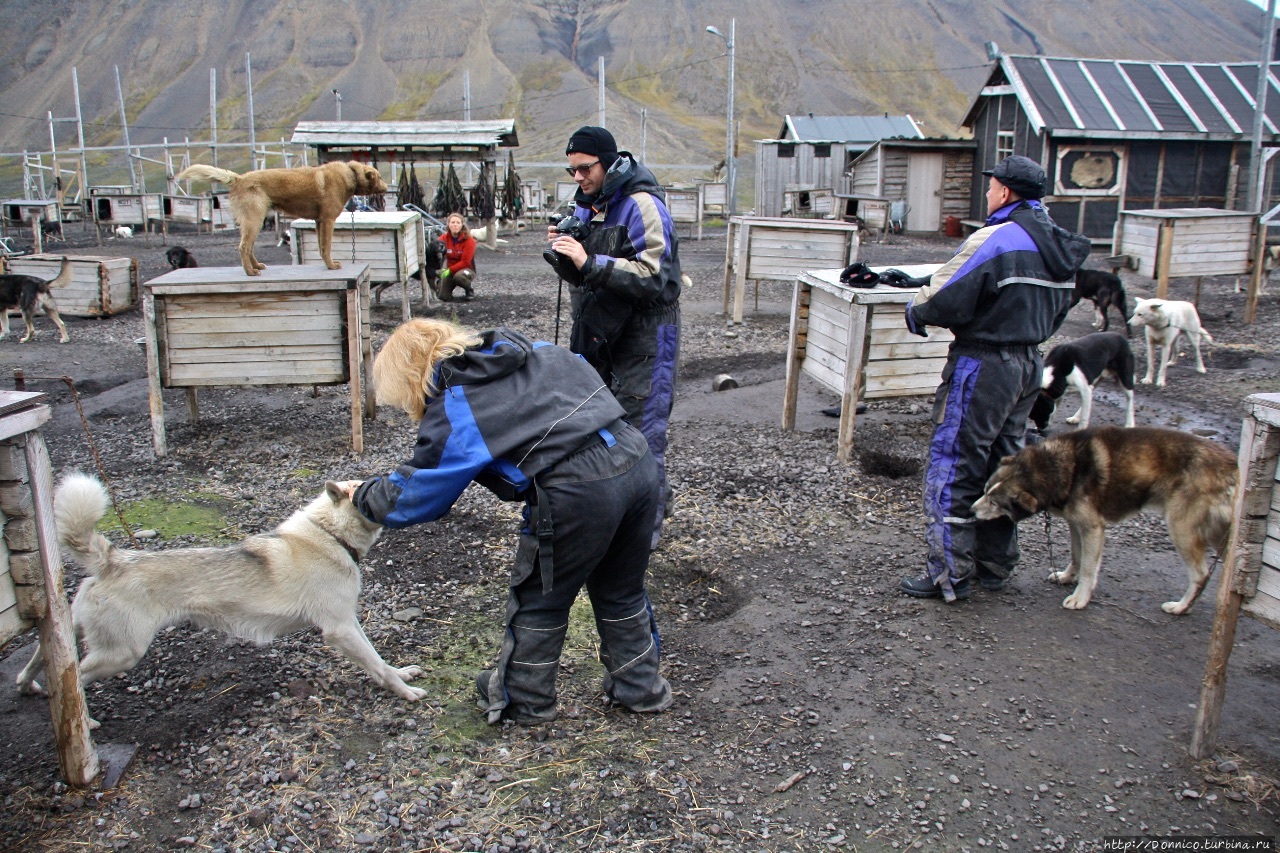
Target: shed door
x,y
924,191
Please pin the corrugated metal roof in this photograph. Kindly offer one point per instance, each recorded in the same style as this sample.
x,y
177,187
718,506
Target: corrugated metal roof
x,y
849,129
475,134
1135,99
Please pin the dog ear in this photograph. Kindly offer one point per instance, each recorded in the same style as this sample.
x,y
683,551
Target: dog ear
x,y
335,491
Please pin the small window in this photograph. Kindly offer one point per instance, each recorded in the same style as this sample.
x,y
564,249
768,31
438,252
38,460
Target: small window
x,y
787,149
1004,144
823,150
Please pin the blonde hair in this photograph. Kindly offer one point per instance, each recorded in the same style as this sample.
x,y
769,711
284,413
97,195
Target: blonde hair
x,y
404,369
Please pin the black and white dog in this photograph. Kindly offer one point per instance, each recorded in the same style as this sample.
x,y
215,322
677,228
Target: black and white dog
x,y
1080,364
28,294
1104,290
179,258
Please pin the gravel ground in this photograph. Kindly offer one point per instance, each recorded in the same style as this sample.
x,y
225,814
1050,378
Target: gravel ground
x,y
817,708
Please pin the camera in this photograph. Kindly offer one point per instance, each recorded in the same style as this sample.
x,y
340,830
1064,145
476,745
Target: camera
x,y
570,225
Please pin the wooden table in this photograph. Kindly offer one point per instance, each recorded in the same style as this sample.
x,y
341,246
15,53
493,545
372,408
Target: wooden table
x,y
391,243
854,341
299,325
31,587
779,249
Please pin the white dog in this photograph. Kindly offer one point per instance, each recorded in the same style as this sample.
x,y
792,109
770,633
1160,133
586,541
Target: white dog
x,y
123,232
304,573
1165,320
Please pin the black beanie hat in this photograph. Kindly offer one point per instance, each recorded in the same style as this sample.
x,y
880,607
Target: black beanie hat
x,y
593,140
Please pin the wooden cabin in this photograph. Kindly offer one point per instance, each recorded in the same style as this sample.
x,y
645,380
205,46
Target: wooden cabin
x,y
1121,134
930,177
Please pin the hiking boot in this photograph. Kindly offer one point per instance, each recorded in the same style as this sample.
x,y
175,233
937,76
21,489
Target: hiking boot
x,y
990,583
924,587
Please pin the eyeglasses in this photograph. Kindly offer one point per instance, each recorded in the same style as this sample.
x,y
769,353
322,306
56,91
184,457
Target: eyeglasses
x,y
582,170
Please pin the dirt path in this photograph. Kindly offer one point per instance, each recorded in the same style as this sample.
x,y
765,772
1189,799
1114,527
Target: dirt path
x,y
816,707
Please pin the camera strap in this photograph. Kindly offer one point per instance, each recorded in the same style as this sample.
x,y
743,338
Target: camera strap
x,y
559,302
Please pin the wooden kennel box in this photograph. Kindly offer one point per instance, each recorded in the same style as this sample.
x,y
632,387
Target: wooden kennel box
x,y
1177,242
779,249
389,243
100,287
855,343
290,325
1250,579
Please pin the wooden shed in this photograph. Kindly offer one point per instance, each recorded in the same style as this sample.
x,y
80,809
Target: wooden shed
x,y
392,143
815,152
931,176
1119,135
100,287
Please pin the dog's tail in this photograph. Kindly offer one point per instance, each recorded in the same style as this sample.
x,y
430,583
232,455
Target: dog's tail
x,y
65,273
201,172
79,503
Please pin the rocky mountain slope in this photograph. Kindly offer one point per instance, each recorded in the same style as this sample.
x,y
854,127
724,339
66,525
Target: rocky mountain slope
x,y
536,61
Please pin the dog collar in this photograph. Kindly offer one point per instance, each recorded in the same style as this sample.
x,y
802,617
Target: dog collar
x,y
355,555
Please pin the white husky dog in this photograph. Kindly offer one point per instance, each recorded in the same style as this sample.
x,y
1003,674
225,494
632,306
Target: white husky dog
x,y
1164,320
304,573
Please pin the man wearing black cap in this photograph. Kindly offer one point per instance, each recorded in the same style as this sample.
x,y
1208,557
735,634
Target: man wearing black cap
x,y
1004,292
624,282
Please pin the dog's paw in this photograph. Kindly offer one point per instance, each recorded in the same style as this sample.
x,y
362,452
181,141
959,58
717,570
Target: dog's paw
x,y
1062,577
334,265
408,673
1201,370
413,694
1074,419
1177,608
1146,380
94,724
1161,383
31,689
1076,601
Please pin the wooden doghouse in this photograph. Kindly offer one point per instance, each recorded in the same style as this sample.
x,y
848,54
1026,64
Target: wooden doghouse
x,y
1250,579
100,287
121,206
685,206
390,243
194,210
18,212
1177,242
289,325
779,249
854,342
31,590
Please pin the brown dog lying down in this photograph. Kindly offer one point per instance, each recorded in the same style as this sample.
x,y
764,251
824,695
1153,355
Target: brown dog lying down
x,y
311,192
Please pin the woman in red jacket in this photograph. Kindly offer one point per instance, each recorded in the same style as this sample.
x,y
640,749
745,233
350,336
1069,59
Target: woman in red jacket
x,y
459,268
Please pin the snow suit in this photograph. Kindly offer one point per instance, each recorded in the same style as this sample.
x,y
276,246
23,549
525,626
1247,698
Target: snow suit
x,y
626,300
533,422
1005,291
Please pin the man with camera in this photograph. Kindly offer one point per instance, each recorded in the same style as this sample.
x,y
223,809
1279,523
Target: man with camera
x,y
618,252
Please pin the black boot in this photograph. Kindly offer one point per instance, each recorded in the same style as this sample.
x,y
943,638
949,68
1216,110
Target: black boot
x,y
523,686
629,650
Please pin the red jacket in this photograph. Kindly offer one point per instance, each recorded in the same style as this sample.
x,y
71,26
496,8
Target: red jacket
x,y
459,254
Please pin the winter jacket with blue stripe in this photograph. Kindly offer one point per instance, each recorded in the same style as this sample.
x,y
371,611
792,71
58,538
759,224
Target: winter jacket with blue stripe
x,y
1009,284
505,411
631,249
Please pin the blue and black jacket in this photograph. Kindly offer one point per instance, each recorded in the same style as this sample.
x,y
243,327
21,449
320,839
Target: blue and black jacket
x,y
1010,283
506,411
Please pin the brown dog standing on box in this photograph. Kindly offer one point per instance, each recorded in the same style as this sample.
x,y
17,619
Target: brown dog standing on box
x,y
311,192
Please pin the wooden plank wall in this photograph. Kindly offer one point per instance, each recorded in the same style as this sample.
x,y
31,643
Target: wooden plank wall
x,y
99,287
1215,245
781,254
900,364
1265,604
253,339
1139,239
21,578
827,342
375,247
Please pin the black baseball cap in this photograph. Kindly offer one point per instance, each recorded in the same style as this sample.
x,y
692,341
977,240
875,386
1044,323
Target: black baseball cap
x,y
1020,174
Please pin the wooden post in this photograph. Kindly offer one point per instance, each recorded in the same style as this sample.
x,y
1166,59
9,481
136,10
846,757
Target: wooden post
x,y
728,264
76,752
741,259
796,338
1258,273
855,364
355,352
1164,256
154,386
37,236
